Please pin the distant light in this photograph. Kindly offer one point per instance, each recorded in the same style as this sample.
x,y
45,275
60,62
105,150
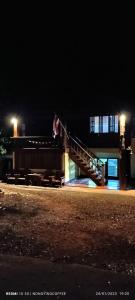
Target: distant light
x,y
14,120
122,124
122,118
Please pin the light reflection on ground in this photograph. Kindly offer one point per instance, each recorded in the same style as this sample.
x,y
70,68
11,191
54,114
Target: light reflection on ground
x,y
87,182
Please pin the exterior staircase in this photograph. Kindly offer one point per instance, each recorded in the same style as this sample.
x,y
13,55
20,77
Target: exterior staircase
x,y
90,164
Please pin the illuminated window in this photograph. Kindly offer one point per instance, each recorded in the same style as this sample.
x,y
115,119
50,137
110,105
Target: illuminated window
x,y
116,123
112,123
104,124
96,124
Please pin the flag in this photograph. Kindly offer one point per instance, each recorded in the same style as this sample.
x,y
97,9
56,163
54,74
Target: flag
x,y
61,131
56,123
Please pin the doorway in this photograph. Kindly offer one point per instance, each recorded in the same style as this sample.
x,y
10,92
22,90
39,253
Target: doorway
x,y
112,167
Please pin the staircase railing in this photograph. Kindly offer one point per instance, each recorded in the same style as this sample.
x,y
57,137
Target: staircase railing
x,y
88,150
88,158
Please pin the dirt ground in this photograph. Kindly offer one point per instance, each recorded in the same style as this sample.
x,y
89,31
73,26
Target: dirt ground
x,y
68,226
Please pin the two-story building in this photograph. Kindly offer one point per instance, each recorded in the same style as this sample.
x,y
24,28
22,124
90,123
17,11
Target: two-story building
x,y
99,146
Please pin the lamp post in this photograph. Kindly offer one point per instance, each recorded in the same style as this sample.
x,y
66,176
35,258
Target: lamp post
x,y
122,130
14,121
123,157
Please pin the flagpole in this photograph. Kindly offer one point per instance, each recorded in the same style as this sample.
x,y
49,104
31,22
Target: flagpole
x,y
65,153
64,129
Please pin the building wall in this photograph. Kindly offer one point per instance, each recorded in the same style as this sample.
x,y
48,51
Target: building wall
x,y
38,159
73,169
69,167
132,158
108,140
106,152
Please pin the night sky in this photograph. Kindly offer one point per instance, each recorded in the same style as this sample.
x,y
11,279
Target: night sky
x,y
70,73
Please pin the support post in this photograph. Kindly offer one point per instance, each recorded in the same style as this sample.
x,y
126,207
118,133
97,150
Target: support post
x,y
66,154
123,170
66,165
123,153
13,160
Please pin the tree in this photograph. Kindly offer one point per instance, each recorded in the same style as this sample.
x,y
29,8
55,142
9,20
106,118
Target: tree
x,y
3,150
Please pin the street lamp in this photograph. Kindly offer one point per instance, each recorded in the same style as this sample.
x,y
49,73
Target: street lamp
x,y
123,118
14,121
122,130
123,154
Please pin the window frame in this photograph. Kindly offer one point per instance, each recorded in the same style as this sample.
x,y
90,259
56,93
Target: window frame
x,y
112,124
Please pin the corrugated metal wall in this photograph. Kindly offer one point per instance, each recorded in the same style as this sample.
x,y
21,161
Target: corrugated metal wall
x,y
38,159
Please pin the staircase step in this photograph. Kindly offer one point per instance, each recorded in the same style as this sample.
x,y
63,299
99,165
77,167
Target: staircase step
x,y
80,159
94,175
76,157
91,171
99,178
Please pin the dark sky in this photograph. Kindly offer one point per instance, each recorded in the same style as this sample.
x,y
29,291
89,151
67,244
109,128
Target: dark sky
x,y
45,69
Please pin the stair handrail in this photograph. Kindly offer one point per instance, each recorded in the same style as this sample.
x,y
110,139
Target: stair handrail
x,y
89,151
84,151
68,136
80,146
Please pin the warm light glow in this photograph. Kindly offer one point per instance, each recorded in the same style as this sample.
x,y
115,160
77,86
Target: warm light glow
x,y
122,124
14,121
122,118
